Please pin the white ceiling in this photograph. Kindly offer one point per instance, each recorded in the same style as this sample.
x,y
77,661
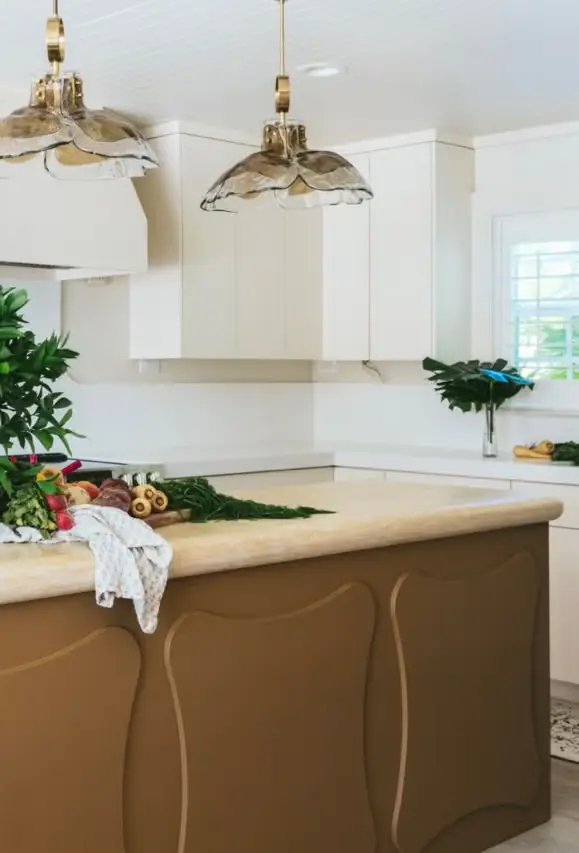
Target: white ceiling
x,y
468,66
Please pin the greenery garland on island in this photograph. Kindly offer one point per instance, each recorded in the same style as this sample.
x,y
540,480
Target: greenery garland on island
x,y
205,503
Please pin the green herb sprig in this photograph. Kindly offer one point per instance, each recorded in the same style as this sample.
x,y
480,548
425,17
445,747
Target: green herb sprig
x,y
207,504
566,451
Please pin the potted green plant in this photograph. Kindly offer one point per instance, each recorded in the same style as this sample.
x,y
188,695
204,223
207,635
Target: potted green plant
x,y
477,386
32,413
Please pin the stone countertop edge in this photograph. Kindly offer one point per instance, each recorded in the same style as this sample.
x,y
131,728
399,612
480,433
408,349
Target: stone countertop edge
x,y
368,515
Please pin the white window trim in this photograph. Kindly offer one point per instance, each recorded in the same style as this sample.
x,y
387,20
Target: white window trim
x,y
490,299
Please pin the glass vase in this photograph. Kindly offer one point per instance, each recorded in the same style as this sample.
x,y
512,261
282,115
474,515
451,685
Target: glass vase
x,y
490,443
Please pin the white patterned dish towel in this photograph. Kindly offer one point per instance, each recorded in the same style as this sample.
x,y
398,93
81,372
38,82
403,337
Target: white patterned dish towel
x,y
131,560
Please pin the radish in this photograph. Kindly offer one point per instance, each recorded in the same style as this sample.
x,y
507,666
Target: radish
x,y
56,502
64,520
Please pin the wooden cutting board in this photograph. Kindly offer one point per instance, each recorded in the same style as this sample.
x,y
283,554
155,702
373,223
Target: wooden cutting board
x,y
165,519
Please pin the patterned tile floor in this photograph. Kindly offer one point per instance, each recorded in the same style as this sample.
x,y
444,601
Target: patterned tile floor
x,y
565,731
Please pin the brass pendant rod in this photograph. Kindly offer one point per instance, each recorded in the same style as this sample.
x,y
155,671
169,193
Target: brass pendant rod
x,y
282,98
282,38
55,44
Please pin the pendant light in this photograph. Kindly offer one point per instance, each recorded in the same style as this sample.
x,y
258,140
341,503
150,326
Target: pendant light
x,y
71,140
285,167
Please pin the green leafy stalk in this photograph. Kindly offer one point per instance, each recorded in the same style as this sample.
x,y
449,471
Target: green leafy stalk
x,y
198,496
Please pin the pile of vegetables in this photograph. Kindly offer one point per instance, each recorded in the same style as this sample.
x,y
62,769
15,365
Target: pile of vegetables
x,y
32,497
40,497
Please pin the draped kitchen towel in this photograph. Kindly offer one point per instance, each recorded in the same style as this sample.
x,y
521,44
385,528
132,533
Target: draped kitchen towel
x,y
131,560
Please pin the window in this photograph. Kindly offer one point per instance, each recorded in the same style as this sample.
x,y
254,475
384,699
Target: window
x,y
543,325
534,321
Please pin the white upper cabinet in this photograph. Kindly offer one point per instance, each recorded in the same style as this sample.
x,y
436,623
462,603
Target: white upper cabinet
x,y
387,280
420,252
346,277
222,286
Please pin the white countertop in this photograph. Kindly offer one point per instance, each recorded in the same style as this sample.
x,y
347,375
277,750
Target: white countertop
x,y
216,461
368,515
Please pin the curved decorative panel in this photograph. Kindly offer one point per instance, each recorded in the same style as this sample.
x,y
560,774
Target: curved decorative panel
x,y
271,720
465,650
64,721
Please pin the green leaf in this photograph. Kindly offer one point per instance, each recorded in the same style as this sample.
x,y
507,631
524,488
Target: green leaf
x,y
62,403
7,332
48,487
45,438
5,482
17,300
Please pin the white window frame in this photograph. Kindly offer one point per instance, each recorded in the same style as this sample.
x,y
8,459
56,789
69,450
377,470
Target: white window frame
x,y
493,237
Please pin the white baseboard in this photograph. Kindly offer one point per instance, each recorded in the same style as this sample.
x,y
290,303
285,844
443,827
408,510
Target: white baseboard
x,y
566,692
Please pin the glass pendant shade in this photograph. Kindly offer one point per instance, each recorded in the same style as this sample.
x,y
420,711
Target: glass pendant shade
x,y
285,168
288,170
71,141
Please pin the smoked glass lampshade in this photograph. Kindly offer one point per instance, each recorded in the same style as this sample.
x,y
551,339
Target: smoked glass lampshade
x,y
71,140
288,170
285,168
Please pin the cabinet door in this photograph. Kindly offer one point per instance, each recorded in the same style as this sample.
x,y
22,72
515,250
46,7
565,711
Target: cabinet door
x,y
401,257
251,281
346,277
259,298
209,296
446,480
564,583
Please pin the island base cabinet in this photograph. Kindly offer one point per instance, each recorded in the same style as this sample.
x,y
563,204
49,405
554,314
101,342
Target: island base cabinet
x,y
394,700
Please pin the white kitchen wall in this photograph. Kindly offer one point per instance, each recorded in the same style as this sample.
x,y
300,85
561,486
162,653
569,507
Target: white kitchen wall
x,y
516,173
121,410
405,410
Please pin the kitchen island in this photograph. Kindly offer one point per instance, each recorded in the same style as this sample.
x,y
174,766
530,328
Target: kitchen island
x,y
373,680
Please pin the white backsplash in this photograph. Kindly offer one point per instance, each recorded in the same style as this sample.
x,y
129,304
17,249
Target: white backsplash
x,y
405,410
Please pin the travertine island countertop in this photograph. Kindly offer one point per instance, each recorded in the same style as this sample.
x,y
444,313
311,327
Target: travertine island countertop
x,y
368,515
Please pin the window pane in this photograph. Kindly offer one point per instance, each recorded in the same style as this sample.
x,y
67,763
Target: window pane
x,y
559,288
575,336
526,288
563,264
537,372
526,265
545,309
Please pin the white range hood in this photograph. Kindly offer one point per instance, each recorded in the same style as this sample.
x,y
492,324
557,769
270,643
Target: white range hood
x,y
59,230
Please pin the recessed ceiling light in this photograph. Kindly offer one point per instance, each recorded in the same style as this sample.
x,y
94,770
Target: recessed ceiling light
x,y
321,69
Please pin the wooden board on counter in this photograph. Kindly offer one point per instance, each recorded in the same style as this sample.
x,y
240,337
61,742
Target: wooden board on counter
x,y
165,519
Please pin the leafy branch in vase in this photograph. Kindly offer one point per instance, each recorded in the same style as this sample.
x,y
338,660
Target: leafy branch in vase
x,y
477,386
474,385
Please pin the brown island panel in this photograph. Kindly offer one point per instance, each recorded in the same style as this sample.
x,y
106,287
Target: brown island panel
x,y
385,701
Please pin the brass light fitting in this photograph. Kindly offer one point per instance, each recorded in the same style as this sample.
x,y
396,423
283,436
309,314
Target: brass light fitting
x,y
73,141
285,167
